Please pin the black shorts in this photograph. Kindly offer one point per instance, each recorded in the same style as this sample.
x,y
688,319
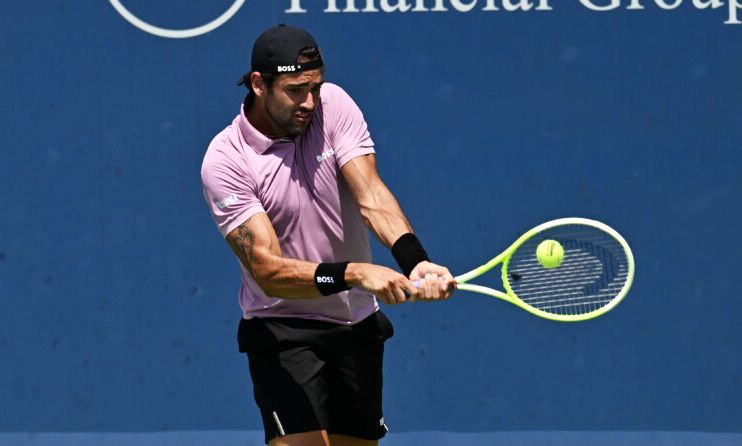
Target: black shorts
x,y
312,375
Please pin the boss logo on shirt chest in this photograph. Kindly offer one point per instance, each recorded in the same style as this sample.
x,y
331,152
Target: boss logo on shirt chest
x,y
325,155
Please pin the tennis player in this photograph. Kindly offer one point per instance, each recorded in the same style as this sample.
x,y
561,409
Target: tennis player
x,y
292,184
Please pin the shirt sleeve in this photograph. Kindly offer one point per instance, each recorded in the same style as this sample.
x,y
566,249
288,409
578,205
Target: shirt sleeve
x,y
230,193
349,134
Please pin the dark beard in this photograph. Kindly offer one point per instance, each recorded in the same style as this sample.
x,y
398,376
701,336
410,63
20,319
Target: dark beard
x,y
285,123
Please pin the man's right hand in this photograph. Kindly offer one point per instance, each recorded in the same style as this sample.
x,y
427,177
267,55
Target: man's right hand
x,y
388,285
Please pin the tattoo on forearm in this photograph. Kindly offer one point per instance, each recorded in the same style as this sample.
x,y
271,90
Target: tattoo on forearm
x,y
243,245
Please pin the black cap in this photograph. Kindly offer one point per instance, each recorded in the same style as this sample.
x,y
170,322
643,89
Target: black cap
x,y
277,50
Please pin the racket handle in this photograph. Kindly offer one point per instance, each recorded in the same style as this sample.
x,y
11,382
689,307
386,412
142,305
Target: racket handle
x,y
417,283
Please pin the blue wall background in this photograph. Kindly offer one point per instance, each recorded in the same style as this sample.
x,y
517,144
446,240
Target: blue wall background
x,y
118,307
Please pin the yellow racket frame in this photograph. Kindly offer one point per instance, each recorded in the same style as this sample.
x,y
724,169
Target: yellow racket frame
x,y
510,296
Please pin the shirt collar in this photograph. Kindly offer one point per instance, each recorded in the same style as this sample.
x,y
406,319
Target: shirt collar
x,y
254,138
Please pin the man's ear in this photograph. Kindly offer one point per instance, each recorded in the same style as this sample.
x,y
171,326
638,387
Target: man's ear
x,y
258,84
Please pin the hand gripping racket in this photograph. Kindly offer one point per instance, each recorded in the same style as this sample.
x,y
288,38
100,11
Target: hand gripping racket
x,y
594,276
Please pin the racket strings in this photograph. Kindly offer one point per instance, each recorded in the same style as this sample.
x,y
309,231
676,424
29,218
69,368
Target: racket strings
x,y
594,271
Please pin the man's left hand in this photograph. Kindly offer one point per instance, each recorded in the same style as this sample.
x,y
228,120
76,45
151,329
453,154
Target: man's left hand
x,y
436,282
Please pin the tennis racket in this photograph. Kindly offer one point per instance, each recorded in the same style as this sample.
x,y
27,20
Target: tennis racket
x,y
594,276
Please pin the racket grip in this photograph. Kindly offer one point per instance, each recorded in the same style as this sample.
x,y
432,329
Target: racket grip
x,y
417,283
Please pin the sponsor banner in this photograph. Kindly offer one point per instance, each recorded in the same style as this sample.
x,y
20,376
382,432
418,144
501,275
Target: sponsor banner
x,y
730,7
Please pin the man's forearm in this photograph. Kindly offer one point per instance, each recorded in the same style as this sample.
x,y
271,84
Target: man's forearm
x,y
286,278
291,278
256,246
295,279
383,215
276,275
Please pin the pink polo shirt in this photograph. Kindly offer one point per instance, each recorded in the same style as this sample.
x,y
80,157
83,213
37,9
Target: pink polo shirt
x,y
299,185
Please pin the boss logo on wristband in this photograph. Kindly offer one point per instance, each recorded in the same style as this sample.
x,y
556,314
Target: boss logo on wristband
x,y
329,278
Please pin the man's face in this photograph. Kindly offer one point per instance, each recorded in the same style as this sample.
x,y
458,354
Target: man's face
x,y
292,100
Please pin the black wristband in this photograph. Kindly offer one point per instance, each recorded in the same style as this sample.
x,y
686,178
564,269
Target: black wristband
x,y
329,278
408,252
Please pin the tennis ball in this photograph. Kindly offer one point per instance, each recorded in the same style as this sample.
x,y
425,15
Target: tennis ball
x,y
550,253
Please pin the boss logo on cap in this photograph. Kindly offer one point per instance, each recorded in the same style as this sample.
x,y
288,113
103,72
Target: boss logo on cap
x,y
285,68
